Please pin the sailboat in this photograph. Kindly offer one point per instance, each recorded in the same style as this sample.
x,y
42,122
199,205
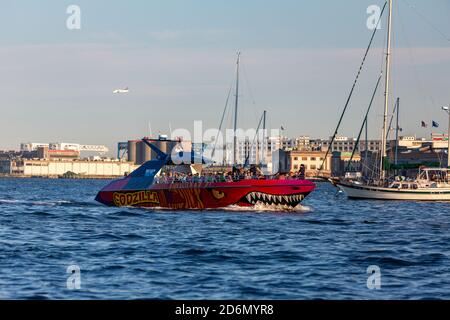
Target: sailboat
x,y
430,184
154,184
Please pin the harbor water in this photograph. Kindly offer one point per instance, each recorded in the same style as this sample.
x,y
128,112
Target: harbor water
x,y
321,251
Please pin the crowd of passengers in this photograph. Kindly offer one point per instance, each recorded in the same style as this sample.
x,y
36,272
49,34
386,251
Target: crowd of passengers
x,y
236,175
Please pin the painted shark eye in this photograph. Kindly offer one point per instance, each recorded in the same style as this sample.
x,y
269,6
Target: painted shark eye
x,y
218,194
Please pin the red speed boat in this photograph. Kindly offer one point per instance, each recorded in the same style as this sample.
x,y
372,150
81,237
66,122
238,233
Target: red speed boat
x,y
143,189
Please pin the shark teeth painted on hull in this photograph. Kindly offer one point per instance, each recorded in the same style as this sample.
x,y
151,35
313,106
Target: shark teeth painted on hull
x,y
269,199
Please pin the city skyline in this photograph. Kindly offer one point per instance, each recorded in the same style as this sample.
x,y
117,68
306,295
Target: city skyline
x,y
178,58
245,143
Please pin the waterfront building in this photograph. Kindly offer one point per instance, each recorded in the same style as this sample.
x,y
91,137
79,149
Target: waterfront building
x,y
292,160
345,144
301,143
59,159
343,160
57,168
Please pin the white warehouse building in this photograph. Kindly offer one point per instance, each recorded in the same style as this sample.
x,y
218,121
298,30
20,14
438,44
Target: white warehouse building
x,y
49,168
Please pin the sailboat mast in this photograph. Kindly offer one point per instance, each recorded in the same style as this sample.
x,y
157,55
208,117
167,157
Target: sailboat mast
x,y
236,110
386,95
396,131
263,155
366,152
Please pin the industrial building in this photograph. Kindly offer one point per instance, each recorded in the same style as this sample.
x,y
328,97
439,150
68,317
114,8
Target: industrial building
x,y
80,168
64,159
33,146
60,159
343,144
54,160
138,152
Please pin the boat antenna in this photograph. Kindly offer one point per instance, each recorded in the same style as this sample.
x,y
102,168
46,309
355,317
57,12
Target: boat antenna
x,y
236,103
351,91
386,96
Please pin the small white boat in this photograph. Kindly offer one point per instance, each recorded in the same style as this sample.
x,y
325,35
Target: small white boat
x,y
432,184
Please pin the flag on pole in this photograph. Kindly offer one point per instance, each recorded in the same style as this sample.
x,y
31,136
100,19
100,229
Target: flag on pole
x,y
424,125
435,124
282,128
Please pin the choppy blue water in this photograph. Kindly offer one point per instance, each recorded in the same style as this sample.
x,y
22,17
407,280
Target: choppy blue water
x,y
321,252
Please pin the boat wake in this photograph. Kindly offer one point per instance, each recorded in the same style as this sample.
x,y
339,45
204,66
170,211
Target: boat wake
x,y
261,207
50,203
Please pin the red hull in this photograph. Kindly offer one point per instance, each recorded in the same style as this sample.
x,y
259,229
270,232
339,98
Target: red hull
x,y
207,195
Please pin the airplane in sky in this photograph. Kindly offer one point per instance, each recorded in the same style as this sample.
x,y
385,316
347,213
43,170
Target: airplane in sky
x,y
124,90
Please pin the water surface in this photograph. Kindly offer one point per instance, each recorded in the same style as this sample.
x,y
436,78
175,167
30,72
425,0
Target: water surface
x,y
319,252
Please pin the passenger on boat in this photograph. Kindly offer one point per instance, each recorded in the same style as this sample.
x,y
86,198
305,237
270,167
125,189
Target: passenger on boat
x,y
301,172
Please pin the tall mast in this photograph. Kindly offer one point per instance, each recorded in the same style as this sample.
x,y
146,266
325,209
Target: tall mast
x,y
396,131
448,139
386,96
263,156
236,109
366,152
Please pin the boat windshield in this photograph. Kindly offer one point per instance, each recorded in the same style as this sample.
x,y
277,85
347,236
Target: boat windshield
x,y
435,175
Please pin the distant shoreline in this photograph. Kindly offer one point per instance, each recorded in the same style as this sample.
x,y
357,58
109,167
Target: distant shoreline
x,y
91,177
81,177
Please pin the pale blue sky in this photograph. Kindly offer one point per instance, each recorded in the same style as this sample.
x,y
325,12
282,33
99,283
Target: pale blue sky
x,y
177,57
